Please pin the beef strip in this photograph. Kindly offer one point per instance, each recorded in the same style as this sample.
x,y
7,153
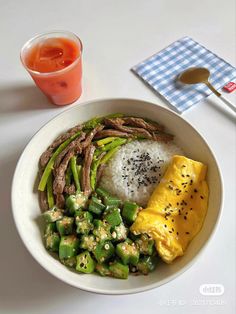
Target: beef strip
x,y
117,124
59,180
73,145
91,135
141,123
58,141
88,157
60,201
43,202
111,132
70,189
162,137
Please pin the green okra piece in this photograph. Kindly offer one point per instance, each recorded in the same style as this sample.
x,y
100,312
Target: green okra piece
x,y
96,206
75,202
65,225
69,262
88,242
85,263
109,155
75,173
119,270
101,230
48,169
112,201
83,221
105,141
117,142
128,252
102,192
119,233
147,264
50,196
103,251
130,212
113,217
52,242
52,215
50,228
145,244
103,269
69,246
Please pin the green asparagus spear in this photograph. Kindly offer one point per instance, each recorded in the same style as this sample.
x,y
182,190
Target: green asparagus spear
x,y
75,173
105,140
50,192
109,155
117,142
49,167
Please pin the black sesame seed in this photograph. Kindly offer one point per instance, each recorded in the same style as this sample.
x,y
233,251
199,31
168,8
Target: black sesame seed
x,y
195,190
202,197
187,232
185,217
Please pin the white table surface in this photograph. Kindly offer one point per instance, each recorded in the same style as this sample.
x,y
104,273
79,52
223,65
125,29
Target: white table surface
x,y
116,35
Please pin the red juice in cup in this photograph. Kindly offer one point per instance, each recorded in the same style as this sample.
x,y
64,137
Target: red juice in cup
x,y
54,62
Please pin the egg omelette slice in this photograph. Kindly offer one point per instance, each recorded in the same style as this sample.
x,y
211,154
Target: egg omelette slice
x,y
177,208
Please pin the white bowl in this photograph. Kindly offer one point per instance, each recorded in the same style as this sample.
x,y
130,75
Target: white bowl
x,y
26,208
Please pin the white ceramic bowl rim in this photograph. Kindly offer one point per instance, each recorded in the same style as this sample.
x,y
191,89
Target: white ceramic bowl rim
x,y
103,291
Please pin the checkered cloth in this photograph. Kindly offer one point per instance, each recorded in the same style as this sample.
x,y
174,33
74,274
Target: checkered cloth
x,y
161,70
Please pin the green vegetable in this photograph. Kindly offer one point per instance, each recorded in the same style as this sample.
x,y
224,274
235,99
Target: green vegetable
x,y
101,230
112,201
102,192
73,166
75,202
147,264
103,269
69,262
119,233
52,242
114,115
93,173
65,225
109,155
117,142
88,242
113,217
83,221
91,124
128,252
50,228
68,247
50,192
68,176
85,263
48,169
52,215
119,270
105,141
96,206
145,244
103,251
130,212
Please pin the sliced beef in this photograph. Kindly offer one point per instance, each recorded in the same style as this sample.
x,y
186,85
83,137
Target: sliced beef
x,y
58,141
111,132
73,145
141,123
91,135
162,137
70,189
59,180
88,157
60,201
43,202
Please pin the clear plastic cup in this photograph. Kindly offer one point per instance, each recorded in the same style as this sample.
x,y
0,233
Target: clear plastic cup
x,y
62,86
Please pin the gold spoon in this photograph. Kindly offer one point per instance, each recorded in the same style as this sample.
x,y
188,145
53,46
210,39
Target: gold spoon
x,y
201,75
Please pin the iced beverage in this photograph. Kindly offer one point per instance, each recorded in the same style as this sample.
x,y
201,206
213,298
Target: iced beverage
x,y
54,62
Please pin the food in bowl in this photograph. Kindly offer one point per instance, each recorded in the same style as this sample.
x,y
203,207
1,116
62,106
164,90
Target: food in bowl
x,y
95,223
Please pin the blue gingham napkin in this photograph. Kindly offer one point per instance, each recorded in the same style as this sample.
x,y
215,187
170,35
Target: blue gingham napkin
x,y
160,71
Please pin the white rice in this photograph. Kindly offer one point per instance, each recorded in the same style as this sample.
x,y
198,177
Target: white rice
x,y
135,170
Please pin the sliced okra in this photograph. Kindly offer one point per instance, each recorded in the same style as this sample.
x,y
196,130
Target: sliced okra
x,y
85,263
68,247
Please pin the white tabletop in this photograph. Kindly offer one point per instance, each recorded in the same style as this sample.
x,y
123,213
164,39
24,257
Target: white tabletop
x,y
116,35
